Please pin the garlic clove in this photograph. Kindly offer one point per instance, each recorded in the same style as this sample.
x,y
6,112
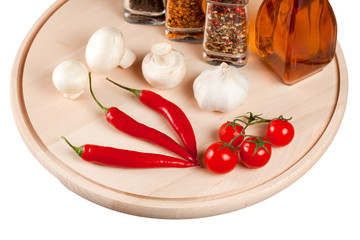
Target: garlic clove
x,y
70,78
222,88
164,67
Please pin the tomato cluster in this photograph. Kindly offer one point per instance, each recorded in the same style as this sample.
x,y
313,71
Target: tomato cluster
x,y
253,151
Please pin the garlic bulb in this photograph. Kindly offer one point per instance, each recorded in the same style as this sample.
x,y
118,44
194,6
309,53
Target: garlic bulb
x,y
70,78
164,67
222,88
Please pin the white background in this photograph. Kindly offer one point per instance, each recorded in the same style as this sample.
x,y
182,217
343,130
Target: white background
x,y
323,204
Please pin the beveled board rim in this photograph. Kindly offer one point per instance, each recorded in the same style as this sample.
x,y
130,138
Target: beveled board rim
x,y
149,206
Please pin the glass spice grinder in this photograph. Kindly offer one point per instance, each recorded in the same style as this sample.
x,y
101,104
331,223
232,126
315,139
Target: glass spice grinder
x,y
226,34
150,12
184,20
296,38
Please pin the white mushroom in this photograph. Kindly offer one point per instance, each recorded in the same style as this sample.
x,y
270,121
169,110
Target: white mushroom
x,y
106,50
164,67
70,78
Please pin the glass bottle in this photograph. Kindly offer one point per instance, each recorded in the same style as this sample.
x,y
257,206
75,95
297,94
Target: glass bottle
x,y
150,12
226,34
296,38
185,20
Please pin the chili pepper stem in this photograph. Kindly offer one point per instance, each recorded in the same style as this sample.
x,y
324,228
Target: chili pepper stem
x,y
92,94
78,150
134,91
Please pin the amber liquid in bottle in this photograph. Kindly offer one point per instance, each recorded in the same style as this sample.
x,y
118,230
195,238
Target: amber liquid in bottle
x,y
296,38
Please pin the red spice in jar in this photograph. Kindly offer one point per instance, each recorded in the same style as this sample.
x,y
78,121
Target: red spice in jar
x,y
226,32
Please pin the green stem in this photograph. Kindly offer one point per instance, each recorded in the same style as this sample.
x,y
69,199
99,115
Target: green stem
x,y
260,121
256,119
260,143
78,150
225,144
252,120
92,94
241,133
240,120
134,91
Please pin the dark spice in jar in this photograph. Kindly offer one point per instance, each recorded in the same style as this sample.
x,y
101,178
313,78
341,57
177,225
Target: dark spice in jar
x,y
147,5
149,12
226,30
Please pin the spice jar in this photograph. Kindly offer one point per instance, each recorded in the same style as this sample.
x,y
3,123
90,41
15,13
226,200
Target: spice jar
x,y
226,34
296,38
185,20
150,12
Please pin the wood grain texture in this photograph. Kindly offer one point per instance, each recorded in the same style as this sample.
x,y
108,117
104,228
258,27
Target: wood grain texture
x,y
42,115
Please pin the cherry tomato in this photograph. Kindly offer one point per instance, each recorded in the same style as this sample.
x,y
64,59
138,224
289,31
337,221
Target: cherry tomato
x,y
228,131
280,132
254,152
220,158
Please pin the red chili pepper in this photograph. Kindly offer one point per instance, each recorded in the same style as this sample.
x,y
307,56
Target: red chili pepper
x,y
171,112
127,124
115,157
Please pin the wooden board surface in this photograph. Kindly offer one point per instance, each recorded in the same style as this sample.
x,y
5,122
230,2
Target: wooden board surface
x,y
316,104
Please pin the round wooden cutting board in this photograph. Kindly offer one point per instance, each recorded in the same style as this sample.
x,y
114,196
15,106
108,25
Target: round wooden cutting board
x,y
42,115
